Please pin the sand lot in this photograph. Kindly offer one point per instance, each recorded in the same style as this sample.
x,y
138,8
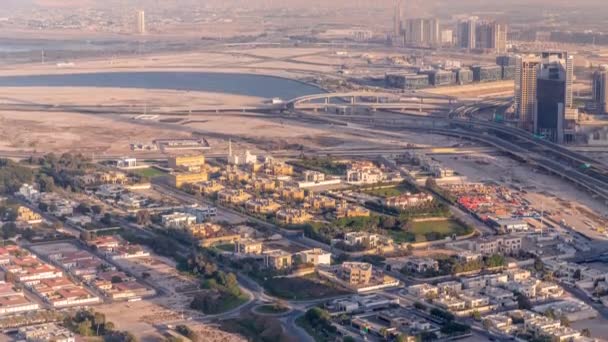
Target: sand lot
x,y
145,318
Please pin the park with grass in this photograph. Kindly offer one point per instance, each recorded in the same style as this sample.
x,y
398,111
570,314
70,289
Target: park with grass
x,y
430,230
150,172
320,164
387,191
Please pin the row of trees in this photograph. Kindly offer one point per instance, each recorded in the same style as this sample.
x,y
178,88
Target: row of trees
x,y
318,323
48,172
13,175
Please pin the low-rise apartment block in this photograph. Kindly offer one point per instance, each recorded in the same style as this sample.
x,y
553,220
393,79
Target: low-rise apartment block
x,y
364,173
62,292
46,332
277,168
421,265
230,196
292,194
293,216
179,179
358,277
187,162
248,247
262,206
315,256
178,220
208,188
12,301
117,285
345,209
277,259
27,215
210,234
498,245
423,291
319,202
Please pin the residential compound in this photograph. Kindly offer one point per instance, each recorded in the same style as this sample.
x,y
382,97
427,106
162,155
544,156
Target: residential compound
x,y
271,191
366,172
487,293
44,280
196,226
279,259
537,326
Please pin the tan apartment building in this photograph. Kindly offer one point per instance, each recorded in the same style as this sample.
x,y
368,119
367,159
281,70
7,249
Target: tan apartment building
x,y
25,214
208,188
262,206
231,196
278,169
188,163
180,179
277,259
265,185
356,273
248,246
293,194
319,202
293,216
345,209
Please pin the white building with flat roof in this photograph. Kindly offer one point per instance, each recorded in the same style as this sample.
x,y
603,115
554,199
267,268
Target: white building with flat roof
x,y
315,256
178,220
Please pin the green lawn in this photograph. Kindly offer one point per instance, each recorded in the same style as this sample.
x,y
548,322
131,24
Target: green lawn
x,y
325,165
229,247
429,231
441,227
149,172
391,191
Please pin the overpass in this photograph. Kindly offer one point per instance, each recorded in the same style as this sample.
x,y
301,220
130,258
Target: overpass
x,y
477,130
378,100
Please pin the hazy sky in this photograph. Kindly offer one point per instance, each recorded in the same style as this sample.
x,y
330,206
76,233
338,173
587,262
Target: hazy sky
x,y
282,3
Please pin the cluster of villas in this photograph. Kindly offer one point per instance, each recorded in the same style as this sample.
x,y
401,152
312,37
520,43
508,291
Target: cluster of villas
x,y
486,293
532,326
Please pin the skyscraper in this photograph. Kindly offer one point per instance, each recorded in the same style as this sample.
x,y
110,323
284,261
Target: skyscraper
x,y
554,97
500,38
467,35
491,36
141,22
397,16
526,74
422,32
600,89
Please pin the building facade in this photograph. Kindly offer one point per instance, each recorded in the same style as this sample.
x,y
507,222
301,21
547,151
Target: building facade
x,y
600,89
